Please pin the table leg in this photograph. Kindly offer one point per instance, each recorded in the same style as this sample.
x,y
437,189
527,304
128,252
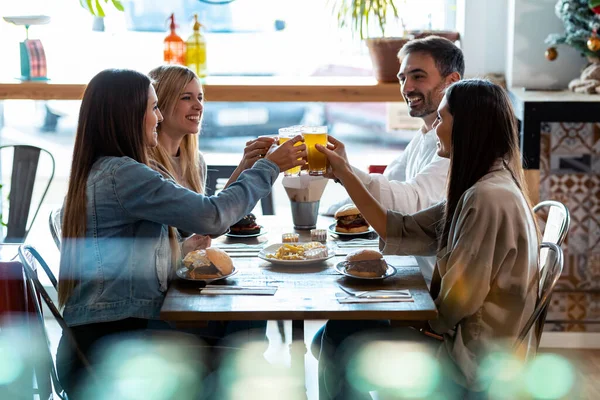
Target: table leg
x,y
298,350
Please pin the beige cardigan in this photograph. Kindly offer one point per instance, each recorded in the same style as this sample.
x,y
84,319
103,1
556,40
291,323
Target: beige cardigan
x,y
488,269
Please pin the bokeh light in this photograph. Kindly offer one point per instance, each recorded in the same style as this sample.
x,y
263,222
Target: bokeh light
x,y
549,376
400,368
11,362
502,373
246,374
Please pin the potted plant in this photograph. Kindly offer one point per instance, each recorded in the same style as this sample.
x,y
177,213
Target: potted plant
x,y
95,6
359,15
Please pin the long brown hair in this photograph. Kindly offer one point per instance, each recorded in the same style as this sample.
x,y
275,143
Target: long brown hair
x,y
169,82
484,130
111,123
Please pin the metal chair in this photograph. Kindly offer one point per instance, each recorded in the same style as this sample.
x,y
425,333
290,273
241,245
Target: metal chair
x,y
216,173
557,222
23,177
28,256
549,275
54,223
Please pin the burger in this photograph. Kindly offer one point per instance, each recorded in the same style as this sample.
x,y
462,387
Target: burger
x,y
365,264
208,263
245,226
350,220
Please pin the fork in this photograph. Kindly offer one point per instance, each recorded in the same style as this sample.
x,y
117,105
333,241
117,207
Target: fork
x,y
384,293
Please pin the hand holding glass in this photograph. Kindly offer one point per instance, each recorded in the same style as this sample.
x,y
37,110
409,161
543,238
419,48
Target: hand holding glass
x,y
286,134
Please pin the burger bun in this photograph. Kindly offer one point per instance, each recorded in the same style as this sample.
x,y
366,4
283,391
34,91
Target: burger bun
x,y
346,210
208,263
365,264
356,229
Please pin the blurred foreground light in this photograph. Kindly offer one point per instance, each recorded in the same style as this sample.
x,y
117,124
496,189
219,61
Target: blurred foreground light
x,y
245,374
148,369
400,368
502,373
549,376
11,362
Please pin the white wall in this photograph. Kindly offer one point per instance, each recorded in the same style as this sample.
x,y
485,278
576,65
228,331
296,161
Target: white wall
x,y
530,22
507,37
482,25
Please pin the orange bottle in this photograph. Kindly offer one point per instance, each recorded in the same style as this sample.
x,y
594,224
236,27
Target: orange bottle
x,y
174,52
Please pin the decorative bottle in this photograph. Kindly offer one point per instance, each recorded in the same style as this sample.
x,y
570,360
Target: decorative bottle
x,y
195,54
174,52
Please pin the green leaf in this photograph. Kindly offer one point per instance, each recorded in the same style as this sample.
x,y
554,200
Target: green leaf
x,y
118,5
100,10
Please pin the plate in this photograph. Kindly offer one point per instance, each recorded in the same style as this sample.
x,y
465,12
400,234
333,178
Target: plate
x,y
182,273
273,248
331,230
262,232
339,267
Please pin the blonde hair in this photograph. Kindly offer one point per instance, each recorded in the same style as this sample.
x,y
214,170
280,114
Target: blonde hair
x,y
169,82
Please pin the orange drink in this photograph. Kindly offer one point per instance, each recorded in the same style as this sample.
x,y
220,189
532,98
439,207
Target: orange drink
x,y
317,161
286,134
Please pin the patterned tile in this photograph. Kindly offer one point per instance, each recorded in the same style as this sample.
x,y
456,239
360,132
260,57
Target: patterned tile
x,y
596,139
572,138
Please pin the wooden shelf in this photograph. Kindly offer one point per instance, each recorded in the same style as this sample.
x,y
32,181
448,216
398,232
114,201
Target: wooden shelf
x,y
326,89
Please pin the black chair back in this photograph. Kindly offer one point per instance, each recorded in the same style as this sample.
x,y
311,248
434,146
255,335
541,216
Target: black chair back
x,y
217,176
23,178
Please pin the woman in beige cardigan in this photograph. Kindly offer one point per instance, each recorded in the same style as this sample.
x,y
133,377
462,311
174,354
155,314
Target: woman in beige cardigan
x,y
484,236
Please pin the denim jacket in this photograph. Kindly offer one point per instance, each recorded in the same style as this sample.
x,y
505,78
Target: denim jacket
x,y
124,260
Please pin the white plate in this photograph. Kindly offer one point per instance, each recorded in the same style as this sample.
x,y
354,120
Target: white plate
x,y
182,273
339,267
262,232
273,248
332,230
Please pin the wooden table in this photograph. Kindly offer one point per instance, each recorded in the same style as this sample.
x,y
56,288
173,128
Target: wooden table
x,y
304,292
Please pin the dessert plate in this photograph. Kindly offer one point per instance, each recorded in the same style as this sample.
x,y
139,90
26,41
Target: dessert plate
x,y
262,232
341,268
183,274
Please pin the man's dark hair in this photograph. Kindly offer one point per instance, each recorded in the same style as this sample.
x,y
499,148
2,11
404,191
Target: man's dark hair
x,y
447,56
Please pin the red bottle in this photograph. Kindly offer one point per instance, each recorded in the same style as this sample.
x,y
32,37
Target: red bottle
x,y
174,52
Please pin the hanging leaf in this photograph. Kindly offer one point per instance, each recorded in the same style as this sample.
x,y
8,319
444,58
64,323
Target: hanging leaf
x,y
118,5
99,10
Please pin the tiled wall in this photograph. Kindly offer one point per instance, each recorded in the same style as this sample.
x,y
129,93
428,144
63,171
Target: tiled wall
x,y
570,173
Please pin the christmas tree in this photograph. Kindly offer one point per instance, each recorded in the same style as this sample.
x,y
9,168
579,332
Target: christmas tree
x,y
581,21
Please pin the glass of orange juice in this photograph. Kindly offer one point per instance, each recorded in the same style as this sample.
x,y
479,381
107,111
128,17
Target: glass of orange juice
x,y
286,134
317,161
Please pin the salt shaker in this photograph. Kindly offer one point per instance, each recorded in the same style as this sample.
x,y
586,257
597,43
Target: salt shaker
x,y
290,238
318,235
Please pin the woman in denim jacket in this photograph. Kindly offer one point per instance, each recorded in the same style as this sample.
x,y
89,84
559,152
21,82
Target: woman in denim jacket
x,y
116,258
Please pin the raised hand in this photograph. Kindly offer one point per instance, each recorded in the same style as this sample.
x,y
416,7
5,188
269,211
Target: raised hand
x,y
255,149
287,155
337,157
195,242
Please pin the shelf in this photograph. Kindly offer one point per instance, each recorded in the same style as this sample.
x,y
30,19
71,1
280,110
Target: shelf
x,y
236,89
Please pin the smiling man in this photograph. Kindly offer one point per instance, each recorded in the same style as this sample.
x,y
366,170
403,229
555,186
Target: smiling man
x,y
417,179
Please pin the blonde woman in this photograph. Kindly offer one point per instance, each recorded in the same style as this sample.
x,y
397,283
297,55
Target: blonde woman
x,y
181,100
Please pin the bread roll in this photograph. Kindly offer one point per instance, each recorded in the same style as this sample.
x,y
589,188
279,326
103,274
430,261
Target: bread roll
x,y
366,264
363,255
358,229
208,263
348,209
220,259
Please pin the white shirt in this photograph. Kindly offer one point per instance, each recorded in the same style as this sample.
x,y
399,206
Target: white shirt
x,y
412,182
